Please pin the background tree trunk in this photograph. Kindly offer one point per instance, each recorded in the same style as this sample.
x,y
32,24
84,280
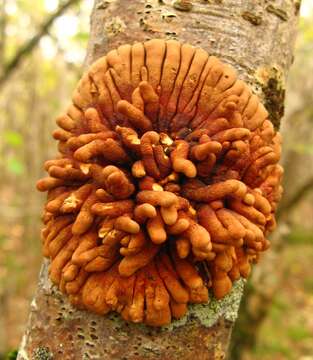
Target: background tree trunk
x,y
258,41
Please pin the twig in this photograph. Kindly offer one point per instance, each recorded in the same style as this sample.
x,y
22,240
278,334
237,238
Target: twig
x,y
296,198
26,48
3,24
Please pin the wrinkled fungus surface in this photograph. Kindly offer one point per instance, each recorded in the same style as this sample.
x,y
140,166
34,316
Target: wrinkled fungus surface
x,y
165,183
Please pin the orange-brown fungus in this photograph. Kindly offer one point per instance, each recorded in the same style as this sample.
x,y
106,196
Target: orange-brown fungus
x,y
165,184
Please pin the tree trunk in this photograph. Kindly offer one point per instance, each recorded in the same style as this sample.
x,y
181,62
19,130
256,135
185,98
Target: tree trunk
x,y
258,41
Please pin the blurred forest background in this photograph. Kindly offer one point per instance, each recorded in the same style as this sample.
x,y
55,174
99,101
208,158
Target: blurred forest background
x,y
42,48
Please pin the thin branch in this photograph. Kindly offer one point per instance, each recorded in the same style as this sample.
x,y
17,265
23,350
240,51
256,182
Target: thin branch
x,y
296,198
3,24
27,48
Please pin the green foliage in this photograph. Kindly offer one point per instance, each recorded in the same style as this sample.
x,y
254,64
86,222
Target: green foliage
x,y
275,349
306,28
2,239
15,166
13,138
81,37
278,309
299,235
308,285
302,148
298,333
12,355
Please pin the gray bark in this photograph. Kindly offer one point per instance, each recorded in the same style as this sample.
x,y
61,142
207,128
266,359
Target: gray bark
x,y
257,39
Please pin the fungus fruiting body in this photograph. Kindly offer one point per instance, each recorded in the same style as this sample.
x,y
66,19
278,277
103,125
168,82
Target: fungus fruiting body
x,y
165,184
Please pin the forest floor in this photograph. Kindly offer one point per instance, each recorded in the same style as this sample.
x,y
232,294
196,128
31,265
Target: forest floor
x,y
286,334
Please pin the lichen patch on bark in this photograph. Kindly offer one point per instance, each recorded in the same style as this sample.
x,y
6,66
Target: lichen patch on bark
x,y
114,26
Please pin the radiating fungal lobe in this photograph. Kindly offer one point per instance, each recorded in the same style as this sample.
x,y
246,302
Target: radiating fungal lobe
x,y
165,183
